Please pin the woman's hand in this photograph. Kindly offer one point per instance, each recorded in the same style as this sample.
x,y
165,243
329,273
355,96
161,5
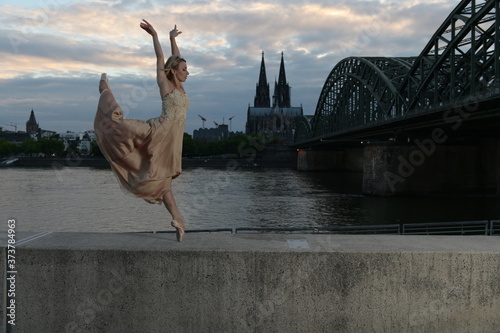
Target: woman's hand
x,y
174,33
149,28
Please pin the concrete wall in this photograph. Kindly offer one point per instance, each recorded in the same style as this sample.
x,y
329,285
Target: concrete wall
x,y
74,282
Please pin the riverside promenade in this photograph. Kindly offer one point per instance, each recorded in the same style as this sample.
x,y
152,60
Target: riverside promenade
x,y
216,282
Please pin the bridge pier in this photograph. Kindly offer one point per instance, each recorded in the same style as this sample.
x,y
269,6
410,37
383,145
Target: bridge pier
x,y
426,167
345,159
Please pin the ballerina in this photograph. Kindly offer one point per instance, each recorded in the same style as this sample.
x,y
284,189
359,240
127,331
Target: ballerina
x,y
146,155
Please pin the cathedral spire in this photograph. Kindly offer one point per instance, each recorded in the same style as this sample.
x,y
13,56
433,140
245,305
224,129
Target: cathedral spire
x,y
262,99
262,75
281,96
282,76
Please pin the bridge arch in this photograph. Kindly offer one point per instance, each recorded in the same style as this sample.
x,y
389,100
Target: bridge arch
x,y
359,91
461,59
303,129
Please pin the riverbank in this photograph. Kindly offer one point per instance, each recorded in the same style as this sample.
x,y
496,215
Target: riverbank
x,y
100,162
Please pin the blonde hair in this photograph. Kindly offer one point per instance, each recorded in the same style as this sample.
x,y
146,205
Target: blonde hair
x,y
172,63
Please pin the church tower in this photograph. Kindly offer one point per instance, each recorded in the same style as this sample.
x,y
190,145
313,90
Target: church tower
x,y
262,99
281,96
31,124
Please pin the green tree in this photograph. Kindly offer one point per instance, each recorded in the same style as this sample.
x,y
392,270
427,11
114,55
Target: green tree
x,y
8,148
51,146
94,149
239,144
72,148
190,147
30,146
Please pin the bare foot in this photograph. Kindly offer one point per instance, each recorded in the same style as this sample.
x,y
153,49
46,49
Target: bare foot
x,y
179,228
103,83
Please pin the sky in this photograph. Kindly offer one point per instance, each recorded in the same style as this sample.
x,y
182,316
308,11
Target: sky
x,y
52,52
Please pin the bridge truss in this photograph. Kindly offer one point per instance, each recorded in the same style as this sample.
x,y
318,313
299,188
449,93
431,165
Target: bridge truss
x,y
462,59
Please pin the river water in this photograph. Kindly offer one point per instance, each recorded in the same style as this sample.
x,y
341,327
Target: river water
x,y
89,200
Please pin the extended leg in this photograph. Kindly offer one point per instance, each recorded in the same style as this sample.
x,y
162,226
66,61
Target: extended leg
x,y
177,222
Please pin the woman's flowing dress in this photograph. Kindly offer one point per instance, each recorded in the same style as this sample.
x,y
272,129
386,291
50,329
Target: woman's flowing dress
x,y
144,155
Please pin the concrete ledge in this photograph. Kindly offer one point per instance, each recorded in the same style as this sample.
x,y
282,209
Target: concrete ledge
x,y
77,282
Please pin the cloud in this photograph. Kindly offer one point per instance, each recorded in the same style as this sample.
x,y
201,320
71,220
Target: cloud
x,y
52,54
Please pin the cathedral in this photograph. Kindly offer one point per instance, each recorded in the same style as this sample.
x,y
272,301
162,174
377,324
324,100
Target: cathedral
x,y
276,120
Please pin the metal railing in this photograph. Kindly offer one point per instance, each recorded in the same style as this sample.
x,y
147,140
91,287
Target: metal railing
x,y
448,228
483,227
354,229
495,227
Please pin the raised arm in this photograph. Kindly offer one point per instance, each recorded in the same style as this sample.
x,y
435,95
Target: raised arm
x,y
173,44
161,78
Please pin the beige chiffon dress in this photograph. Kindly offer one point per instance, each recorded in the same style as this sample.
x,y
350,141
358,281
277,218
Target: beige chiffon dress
x,y
144,155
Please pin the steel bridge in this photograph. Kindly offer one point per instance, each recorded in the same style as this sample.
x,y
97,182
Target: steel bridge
x,y
454,82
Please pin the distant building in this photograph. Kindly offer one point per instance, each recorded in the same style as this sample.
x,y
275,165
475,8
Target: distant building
x,y
204,135
91,135
32,127
33,131
84,145
46,134
277,120
69,136
14,137
81,140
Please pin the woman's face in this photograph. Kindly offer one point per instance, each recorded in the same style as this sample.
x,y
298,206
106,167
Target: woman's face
x,y
181,73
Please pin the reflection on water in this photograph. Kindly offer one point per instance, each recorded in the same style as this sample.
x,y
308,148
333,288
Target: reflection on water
x,y
89,200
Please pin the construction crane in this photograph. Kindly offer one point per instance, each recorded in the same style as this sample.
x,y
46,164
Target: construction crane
x,y
202,121
11,125
230,118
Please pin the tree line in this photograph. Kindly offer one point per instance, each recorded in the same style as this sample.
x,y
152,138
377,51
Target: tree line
x,y
31,146
191,148
234,145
